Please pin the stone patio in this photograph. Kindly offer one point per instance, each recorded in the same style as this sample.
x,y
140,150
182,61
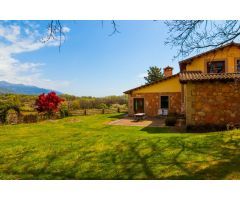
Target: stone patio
x,y
150,122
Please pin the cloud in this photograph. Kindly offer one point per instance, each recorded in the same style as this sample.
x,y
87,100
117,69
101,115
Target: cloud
x,y
10,33
66,29
16,40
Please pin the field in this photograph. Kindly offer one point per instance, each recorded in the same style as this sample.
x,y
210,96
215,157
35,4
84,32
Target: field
x,y
86,147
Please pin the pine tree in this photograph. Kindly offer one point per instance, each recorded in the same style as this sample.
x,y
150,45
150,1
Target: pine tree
x,y
154,74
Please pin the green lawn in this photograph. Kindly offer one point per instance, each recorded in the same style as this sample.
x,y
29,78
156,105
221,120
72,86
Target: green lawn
x,y
86,147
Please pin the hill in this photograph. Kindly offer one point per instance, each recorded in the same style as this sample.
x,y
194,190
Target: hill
x,y
6,87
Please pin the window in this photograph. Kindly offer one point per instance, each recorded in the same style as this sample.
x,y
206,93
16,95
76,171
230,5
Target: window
x,y
216,67
238,65
164,102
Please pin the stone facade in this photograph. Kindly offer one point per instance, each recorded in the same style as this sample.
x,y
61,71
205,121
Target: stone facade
x,y
212,102
152,102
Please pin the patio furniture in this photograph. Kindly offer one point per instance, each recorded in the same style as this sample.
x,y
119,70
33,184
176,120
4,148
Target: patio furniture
x,y
163,112
139,116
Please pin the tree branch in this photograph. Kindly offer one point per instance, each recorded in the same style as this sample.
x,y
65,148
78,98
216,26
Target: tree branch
x,y
191,36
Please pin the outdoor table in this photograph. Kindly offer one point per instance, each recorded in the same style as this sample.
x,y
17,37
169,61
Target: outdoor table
x,y
139,116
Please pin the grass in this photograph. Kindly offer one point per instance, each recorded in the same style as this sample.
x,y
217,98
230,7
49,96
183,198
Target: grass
x,y
86,147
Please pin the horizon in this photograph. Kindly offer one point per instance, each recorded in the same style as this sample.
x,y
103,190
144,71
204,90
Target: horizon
x,y
90,62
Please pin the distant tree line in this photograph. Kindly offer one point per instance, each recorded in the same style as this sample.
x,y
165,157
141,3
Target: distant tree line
x,y
27,102
89,102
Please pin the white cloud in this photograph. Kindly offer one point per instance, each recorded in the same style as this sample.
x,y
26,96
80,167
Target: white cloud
x,y
10,33
65,29
16,40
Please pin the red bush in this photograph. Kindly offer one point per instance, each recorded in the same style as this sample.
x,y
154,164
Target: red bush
x,y
48,103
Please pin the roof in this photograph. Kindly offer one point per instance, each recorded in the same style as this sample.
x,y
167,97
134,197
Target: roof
x,y
188,60
199,76
149,84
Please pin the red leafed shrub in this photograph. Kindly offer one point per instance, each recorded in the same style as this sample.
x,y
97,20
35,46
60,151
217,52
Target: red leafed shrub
x,y
48,103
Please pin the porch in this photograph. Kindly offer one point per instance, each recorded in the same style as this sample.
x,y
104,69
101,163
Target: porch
x,y
147,122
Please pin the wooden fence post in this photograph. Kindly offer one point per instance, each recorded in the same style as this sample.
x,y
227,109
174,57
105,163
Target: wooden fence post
x,y
103,111
118,110
85,112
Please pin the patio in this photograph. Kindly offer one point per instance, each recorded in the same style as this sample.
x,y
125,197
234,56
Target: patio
x,y
130,121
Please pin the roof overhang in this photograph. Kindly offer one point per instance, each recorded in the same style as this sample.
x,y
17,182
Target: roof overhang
x,y
189,60
149,84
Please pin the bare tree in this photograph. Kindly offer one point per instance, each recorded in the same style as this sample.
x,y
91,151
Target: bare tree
x,y
55,31
115,29
192,36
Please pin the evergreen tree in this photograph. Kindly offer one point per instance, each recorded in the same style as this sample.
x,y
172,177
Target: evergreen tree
x,y
154,74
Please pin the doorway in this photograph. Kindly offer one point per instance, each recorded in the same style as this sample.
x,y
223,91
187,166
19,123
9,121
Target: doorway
x,y
164,102
138,105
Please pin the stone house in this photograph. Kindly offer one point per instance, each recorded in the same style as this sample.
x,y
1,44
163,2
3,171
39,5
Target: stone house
x,y
205,91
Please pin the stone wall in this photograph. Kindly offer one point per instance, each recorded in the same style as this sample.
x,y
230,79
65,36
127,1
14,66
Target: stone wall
x,y
212,102
152,102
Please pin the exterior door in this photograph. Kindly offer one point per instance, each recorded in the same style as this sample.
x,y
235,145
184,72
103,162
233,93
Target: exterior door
x,y
139,105
164,102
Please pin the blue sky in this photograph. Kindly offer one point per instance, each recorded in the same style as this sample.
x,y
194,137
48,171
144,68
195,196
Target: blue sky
x,y
91,63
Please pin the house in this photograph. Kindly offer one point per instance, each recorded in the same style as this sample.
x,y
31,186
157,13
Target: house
x,y
206,90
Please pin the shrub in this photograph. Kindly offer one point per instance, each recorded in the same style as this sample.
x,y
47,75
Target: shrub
x,y
11,117
4,108
75,104
64,110
172,114
30,118
102,106
48,103
206,128
171,120
118,106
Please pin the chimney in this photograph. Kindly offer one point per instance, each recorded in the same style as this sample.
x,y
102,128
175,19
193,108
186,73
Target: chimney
x,y
167,71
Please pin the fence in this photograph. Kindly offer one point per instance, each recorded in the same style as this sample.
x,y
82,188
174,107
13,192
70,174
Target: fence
x,y
96,111
32,116
82,112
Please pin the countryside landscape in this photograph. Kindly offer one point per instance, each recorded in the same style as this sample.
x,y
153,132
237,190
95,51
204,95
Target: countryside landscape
x,y
96,112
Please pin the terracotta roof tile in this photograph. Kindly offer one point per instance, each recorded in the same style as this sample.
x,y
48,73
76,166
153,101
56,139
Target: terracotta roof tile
x,y
199,76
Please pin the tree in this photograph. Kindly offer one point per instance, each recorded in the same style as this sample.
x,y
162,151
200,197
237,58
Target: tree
x,y
189,36
154,74
48,103
55,31
193,36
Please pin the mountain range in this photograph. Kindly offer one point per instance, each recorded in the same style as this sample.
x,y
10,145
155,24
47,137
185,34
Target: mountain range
x,y
6,87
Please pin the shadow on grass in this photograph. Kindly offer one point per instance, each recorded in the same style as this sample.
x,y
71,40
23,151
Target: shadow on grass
x,y
119,116
214,157
157,130
225,166
159,164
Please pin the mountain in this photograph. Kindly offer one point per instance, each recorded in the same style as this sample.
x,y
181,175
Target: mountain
x,y
6,87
